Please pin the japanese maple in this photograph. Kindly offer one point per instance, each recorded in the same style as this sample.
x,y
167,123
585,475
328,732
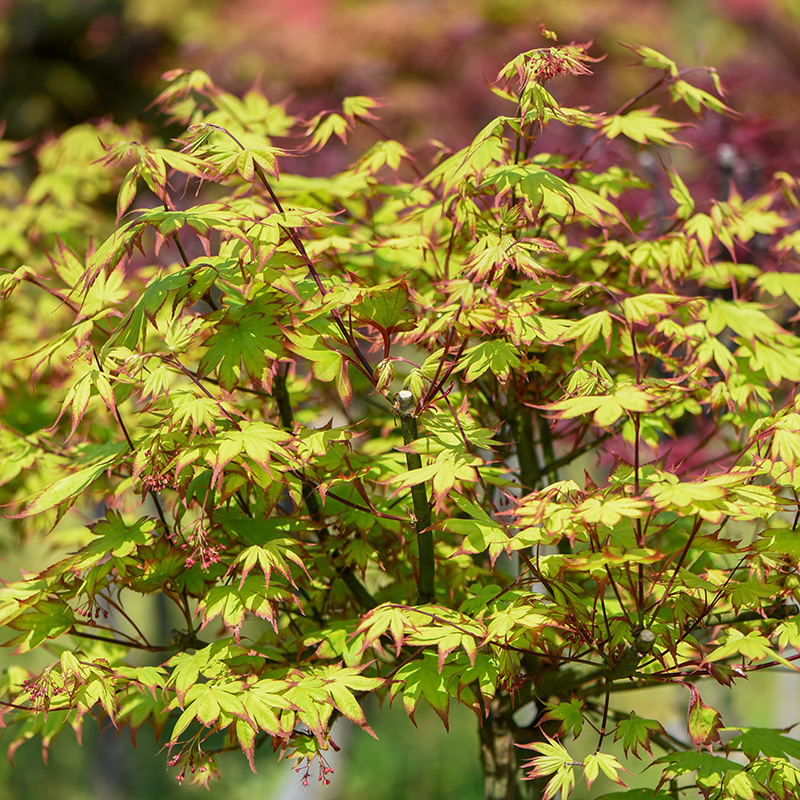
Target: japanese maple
x,y
514,430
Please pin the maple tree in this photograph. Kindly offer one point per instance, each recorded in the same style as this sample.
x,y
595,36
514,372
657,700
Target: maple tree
x,y
518,431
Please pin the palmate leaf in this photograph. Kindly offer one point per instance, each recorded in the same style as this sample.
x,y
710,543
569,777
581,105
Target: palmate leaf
x,y
424,679
67,490
768,742
697,98
43,620
589,330
388,619
486,148
570,715
499,357
480,532
606,408
640,308
449,471
780,283
200,218
199,411
781,541
493,255
642,126
256,154
110,252
449,433
272,555
247,340
327,364
553,195
77,398
263,702
209,662
383,153
448,631
385,308
680,194
610,510
634,731
749,320
96,688
752,646
716,496
342,683
779,361
137,708
358,106
652,58
114,537
325,125
711,769
315,692
597,762
520,619
540,186
554,760
150,678
338,642
259,441
231,602
212,704
186,286
702,227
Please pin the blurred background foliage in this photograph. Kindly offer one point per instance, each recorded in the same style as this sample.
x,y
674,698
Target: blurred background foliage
x,y
63,62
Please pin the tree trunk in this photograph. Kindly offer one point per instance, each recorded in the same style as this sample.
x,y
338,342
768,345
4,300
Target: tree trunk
x,y
502,759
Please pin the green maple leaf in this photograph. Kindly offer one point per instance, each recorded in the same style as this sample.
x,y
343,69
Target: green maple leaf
x,y
554,760
642,126
246,340
384,308
70,488
569,714
422,678
497,356
480,531
263,702
340,682
766,741
231,602
595,763
382,620
116,538
259,441
389,153
44,620
210,704
324,126
272,555
752,645
635,733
